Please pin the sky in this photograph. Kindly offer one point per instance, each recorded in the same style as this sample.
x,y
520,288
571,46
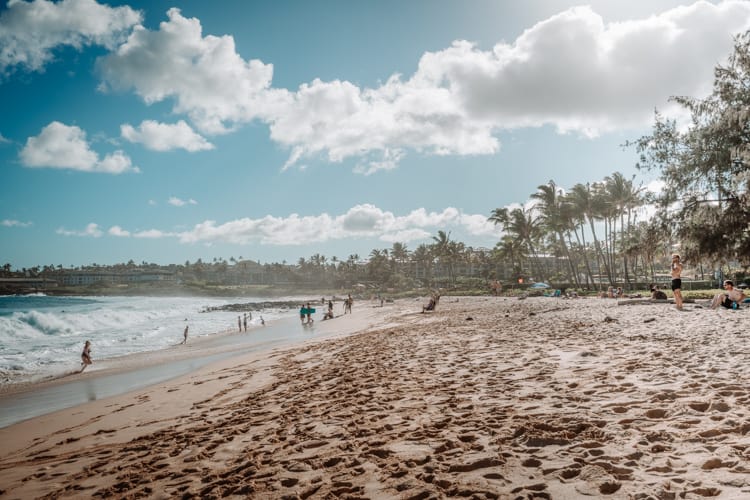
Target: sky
x,y
168,131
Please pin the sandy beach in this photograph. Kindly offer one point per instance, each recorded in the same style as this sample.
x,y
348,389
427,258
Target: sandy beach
x,y
484,398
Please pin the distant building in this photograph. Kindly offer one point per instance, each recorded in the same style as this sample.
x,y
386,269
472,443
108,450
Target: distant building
x,y
83,278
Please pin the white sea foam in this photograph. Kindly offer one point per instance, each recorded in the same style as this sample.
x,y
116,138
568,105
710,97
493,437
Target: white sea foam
x,y
41,336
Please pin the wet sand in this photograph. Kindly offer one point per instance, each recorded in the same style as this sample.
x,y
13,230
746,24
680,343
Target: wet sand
x,y
484,398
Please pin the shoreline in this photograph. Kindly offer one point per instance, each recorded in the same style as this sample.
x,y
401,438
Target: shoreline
x,y
491,397
119,375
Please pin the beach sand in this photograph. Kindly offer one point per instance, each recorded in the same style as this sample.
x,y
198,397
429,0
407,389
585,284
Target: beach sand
x,y
483,398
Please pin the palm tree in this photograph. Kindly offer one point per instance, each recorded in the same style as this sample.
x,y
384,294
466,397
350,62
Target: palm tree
x,y
626,196
513,250
399,253
442,249
587,205
555,218
423,257
521,224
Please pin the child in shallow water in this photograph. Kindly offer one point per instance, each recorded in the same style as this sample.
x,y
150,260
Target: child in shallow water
x,y
86,355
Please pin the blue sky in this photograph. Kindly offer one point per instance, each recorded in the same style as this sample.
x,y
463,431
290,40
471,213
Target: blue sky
x,y
172,131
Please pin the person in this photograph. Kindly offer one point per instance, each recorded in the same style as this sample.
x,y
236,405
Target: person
x,y
239,323
185,334
309,311
348,304
86,356
657,294
677,281
430,305
330,305
729,298
328,314
262,321
244,321
302,313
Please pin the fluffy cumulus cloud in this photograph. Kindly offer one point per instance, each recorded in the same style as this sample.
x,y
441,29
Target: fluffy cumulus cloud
x,y
118,231
573,71
578,73
206,77
360,221
30,31
165,137
65,146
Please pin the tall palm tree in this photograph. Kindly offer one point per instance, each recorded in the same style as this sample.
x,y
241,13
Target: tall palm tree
x,y
623,197
442,249
588,204
555,218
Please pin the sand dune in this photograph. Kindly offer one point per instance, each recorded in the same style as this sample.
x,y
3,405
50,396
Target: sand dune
x,y
484,398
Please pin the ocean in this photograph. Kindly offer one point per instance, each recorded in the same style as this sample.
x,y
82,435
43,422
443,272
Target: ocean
x,y
43,336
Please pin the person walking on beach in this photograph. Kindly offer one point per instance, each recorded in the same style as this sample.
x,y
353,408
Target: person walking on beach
x,y
244,321
185,334
302,313
239,323
86,356
348,304
677,281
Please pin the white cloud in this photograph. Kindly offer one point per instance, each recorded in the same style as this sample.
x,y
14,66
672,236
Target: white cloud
x,y
152,234
118,231
209,81
14,223
177,202
30,31
4,140
580,74
572,71
165,137
64,146
91,230
360,221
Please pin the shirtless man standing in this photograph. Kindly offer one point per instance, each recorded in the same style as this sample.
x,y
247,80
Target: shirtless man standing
x,y
677,281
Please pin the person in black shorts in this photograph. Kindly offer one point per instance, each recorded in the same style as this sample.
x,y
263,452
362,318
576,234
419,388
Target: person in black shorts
x,y
677,281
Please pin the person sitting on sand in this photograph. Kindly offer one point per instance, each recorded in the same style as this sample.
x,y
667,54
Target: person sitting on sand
x,y
328,315
86,356
657,294
728,299
434,299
